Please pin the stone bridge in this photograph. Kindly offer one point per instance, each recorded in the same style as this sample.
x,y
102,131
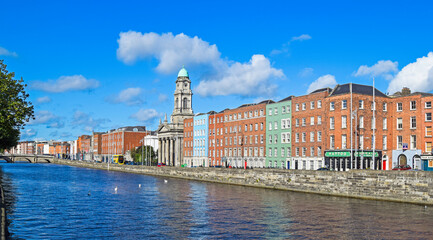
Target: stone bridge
x,y
11,158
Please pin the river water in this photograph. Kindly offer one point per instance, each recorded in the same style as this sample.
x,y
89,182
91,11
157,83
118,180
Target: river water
x,y
47,201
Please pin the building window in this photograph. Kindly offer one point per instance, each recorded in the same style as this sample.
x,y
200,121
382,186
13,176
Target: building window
x,y
343,121
282,152
343,141
304,137
384,140
297,152
319,136
304,106
311,136
427,104
276,138
384,108
331,142
276,152
261,126
270,113
312,105
297,122
331,123
297,137
361,122
312,155
319,151
412,105
399,123
270,152
276,111
361,141
361,104
399,142
270,126
304,152
319,120
283,138
331,106
283,124
257,127
289,152
344,104
413,122
413,142
385,124
428,131
275,125
311,121
304,121
428,147
261,139
270,138
428,117
399,107
319,104
297,107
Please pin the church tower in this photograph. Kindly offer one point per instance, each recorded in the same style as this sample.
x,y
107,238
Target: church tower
x,y
182,98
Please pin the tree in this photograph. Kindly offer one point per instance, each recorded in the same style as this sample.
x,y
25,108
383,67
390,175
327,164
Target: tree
x,y
15,109
147,150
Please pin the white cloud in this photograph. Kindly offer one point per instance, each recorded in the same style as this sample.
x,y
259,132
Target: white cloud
x,y
417,76
66,83
45,99
129,96
171,51
48,118
322,82
224,76
5,52
28,133
87,122
301,37
145,115
381,68
246,79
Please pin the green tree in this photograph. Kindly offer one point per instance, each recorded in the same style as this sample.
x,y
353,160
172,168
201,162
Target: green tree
x,y
15,109
146,151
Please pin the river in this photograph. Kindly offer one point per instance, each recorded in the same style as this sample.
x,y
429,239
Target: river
x,y
48,201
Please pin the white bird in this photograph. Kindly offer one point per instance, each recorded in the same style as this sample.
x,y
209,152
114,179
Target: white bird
x,y
139,185
165,181
115,189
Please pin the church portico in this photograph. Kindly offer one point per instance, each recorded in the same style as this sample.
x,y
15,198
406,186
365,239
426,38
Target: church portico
x,y
170,134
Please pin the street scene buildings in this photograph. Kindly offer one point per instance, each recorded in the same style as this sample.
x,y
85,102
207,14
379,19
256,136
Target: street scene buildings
x,y
350,126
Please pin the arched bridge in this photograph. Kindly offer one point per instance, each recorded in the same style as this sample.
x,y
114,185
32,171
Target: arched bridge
x,y
27,157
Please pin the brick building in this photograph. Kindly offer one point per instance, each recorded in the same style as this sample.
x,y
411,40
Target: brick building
x,y
121,140
188,136
245,135
309,130
83,144
216,138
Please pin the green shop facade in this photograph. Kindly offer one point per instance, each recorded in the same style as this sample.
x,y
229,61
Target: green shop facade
x,y
278,134
343,160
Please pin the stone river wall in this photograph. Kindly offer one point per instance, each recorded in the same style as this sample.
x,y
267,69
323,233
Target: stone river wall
x,y
400,186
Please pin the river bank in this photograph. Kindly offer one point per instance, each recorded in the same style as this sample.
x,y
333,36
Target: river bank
x,y
414,187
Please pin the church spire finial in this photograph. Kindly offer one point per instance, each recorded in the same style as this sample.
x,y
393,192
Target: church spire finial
x,y
165,118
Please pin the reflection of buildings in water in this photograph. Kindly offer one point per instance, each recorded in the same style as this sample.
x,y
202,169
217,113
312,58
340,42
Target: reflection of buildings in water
x,y
199,210
174,208
234,210
10,191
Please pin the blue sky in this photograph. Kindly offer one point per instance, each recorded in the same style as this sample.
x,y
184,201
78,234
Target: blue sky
x,y
93,65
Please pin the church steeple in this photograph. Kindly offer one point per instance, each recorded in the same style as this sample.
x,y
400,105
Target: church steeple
x,y
182,98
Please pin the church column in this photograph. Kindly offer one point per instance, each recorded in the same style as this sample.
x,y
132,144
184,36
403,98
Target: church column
x,y
159,150
165,150
171,151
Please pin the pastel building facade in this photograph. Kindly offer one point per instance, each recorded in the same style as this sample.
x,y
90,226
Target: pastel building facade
x,y
278,124
201,140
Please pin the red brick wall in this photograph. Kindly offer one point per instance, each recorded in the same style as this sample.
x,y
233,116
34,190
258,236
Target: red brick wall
x,y
216,123
188,131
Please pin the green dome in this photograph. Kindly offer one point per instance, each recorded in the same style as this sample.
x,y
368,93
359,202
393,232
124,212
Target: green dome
x,y
183,73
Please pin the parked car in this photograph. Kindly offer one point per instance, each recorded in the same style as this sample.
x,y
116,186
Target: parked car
x,y
324,169
161,165
402,167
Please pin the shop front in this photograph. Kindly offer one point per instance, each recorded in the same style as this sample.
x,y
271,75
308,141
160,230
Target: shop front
x,y
407,157
342,160
427,162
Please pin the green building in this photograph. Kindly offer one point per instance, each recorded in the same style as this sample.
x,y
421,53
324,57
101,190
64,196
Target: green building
x,y
278,134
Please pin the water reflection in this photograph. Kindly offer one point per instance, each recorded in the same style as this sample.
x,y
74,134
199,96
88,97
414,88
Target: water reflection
x,y
46,201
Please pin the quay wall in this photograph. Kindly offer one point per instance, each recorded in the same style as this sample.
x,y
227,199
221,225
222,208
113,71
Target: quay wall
x,y
400,186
